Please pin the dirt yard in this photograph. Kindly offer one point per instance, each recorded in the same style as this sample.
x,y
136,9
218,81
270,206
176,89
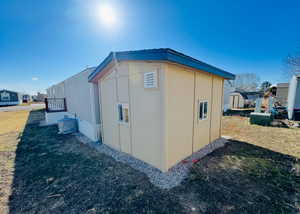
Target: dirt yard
x,y
44,172
282,140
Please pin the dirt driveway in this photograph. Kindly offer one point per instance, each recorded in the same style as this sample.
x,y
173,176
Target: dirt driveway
x,y
44,172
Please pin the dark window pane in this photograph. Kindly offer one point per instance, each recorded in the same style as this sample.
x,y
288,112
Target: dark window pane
x,y
201,111
120,112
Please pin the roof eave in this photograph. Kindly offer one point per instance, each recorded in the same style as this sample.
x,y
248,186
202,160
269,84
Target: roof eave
x,y
159,55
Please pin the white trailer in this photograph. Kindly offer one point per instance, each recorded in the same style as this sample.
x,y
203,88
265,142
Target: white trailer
x,y
294,98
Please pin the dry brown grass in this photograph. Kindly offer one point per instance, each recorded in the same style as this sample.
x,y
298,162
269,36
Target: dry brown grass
x,y
12,121
11,125
282,140
51,173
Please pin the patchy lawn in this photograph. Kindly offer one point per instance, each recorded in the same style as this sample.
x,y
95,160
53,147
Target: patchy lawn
x,y
243,178
282,140
50,173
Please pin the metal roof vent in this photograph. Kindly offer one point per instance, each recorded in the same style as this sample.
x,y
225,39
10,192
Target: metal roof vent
x,y
150,79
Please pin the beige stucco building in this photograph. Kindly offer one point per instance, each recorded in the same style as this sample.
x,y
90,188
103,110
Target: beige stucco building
x,y
159,105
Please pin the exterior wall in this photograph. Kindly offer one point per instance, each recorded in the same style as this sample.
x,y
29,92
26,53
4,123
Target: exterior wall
x,y
13,98
108,96
293,96
82,102
90,130
241,101
56,91
162,128
216,108
77,92
184,133
78,96
52,118
142,136
146,114
282,95
179,113
297,98
203,92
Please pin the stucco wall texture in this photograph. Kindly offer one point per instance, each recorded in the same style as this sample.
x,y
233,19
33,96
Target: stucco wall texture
x,y
163,125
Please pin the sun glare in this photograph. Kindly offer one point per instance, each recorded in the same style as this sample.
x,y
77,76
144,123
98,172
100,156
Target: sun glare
x,y
108,15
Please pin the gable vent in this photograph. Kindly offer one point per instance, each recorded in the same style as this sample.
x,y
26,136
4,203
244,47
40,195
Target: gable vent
x,y
150,80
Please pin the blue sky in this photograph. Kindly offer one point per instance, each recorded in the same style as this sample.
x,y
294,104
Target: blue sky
x,y
44,42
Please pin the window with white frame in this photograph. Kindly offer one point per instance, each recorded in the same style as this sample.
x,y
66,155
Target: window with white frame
x,y
203,108
123,113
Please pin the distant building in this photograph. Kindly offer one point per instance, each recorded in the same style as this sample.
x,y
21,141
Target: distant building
x,y
280,92
228,89
39,97
26,98
243,99
10,98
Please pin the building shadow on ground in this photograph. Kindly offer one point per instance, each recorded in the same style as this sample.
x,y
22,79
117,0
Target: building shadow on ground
x,y
56,174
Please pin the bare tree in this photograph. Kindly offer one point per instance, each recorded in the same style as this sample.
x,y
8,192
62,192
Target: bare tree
x,y
246,82
293,64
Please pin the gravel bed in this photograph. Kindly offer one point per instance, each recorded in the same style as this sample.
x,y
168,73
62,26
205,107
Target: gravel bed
x,y
164,180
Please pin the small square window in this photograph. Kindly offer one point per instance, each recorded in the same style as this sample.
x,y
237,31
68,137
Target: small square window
x,y
203,109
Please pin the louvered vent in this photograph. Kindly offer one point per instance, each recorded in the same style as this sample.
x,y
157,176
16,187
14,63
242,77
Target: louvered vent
x,y
150,80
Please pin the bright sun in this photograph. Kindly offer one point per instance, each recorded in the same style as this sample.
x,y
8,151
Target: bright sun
x,y
108,15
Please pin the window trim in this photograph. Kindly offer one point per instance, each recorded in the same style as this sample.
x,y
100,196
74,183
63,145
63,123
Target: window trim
x,y
198,110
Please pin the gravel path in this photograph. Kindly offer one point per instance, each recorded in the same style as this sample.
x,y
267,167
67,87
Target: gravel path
x,y
164,180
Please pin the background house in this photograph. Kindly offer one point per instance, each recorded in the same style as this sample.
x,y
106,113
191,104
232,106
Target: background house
x,y
280,92
26,98
10,98
243,99
159,105
39,97
228,89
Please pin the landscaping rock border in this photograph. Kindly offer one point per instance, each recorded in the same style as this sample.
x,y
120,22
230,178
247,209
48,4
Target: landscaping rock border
x,y
164,180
